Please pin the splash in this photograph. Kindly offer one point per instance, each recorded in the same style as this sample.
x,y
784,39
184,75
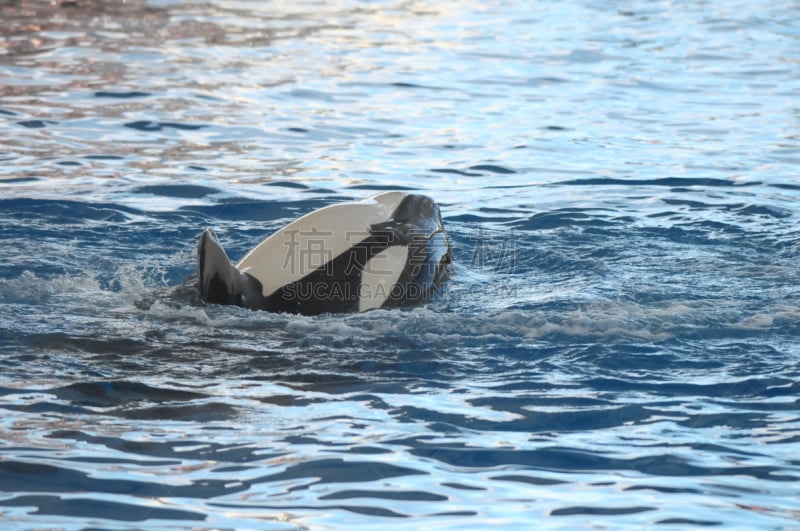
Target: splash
x,y
29,288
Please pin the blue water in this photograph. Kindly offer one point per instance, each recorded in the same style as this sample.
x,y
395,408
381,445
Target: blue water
x,y
618,347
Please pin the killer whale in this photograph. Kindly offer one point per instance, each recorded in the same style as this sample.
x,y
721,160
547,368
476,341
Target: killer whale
x,y
389,250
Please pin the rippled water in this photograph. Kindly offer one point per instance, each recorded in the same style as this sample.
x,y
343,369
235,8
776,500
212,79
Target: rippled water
x,y
618,346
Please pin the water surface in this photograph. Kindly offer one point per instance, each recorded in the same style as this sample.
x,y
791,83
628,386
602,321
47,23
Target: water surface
x,y
617,348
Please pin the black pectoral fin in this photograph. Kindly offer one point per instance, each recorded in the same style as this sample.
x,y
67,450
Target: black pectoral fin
x,y
220,281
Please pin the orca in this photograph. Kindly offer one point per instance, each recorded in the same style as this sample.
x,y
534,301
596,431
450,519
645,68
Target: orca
x,y
387,251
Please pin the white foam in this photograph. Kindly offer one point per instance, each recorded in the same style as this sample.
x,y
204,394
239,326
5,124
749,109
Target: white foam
x,y
162,310
30,288
773,316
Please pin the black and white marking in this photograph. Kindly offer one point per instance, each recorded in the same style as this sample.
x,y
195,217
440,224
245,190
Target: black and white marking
x,y
387,251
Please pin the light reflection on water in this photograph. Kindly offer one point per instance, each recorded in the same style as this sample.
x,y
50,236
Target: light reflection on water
x,y
633,363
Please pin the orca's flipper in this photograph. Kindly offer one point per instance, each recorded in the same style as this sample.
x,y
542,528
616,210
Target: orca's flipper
x,y
220,281
218,276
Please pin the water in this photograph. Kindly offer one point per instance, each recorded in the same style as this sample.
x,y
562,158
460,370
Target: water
x,y
618,346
